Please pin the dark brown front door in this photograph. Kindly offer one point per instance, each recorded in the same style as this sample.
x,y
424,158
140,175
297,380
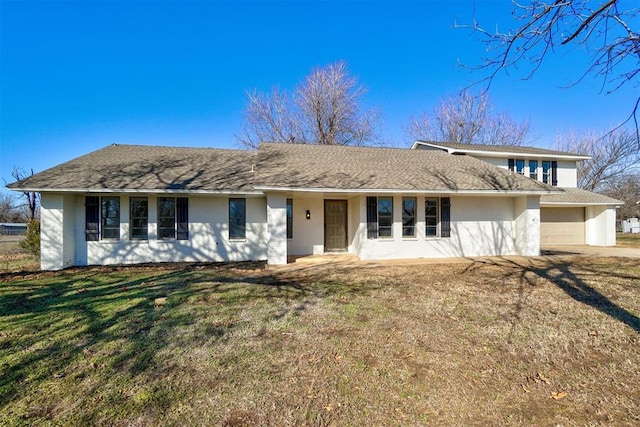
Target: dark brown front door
x,y
335,225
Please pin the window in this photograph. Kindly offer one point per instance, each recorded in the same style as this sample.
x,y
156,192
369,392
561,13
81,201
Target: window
x,y
289,218
533,169
408,217
173,218
385,216
102,218
92,218
431,216
139,218
546,166
110,218
520,166
166,218
554,173
237,218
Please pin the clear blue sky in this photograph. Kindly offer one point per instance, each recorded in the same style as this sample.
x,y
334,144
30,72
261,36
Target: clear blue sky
x,y
77,76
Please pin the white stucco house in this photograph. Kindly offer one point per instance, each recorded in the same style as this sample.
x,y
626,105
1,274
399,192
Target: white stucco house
x,y
127,204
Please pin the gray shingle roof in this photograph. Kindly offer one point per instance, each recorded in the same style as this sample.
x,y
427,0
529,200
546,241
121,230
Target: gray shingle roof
x,y
299,166
579,197
139,167
502,149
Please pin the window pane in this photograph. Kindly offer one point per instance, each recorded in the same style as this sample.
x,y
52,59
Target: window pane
x,y
533,169
385,216
431,216
289,219
166,218
408,216
520,166
139,213
237,218
110,217
546,165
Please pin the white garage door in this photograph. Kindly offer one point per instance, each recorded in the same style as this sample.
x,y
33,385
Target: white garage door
x,y
562,226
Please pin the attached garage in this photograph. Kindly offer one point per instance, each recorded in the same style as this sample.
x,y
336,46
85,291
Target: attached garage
x,y
562,226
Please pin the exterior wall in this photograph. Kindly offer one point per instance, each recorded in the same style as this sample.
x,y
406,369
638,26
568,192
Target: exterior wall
x,y
600,225
63,220
308,234
480,226
277,229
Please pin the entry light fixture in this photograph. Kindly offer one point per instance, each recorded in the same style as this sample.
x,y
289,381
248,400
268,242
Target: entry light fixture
x,y
308,216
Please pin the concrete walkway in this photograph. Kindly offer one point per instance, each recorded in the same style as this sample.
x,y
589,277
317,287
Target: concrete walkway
x,y
595,251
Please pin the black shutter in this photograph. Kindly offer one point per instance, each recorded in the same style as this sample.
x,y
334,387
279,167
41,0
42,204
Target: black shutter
x,y
182,218
92,218
372,217
512,165
554,173
445,217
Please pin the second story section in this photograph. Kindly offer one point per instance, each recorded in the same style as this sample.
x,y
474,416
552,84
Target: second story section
x,y
557,168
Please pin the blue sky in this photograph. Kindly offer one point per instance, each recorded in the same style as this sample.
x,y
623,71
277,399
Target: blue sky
x,y
77,76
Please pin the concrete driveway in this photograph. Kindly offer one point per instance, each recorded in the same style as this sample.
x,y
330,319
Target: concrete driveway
x,y
585,250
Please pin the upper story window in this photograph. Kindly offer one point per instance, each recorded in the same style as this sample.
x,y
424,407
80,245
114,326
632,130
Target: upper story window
x,y
546,169
408,217
139,218
516,165
533,169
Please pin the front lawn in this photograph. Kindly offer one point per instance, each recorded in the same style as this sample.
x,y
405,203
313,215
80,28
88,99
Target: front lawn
x,y
482,343
628,240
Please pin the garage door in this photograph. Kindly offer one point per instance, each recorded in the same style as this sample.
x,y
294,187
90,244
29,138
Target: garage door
x,y
562,226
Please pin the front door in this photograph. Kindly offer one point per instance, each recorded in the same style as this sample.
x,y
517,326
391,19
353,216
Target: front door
x,y
335,225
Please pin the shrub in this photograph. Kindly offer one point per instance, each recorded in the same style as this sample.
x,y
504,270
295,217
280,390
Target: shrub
x,y
32,242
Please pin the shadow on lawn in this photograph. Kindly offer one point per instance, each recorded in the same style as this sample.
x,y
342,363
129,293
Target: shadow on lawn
x,y
93,318
559,272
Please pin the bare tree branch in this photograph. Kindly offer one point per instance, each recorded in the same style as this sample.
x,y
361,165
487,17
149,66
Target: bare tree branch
x,y
32,198
468,119
324,109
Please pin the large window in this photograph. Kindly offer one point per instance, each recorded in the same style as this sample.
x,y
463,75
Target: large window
x,y
110,218
102,218
533,169
408,217
139,218
431,217
520,166
289,218
237,218
385,216
173,218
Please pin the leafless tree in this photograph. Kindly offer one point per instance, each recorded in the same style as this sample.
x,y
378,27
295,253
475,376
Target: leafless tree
x,y
324,109
604,28
612,157
468,119
626,188
9,209
31,198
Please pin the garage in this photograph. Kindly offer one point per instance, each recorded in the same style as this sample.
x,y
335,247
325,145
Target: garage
x,y
562,226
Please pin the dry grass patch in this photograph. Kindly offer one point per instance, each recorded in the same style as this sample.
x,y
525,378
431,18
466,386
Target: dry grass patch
x,y
628,240
508,342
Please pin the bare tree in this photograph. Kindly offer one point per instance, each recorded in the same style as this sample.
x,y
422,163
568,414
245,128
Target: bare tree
x,y
31,197
626,188
323,109
613,156
9,209
603,28
468,119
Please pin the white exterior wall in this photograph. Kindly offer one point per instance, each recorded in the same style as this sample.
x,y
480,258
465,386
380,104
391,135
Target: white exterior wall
x,y
600,225
63,220
277,229
527,225
308,234
480,226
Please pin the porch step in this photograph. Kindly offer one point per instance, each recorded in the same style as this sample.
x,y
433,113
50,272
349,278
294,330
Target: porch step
x,y
322,259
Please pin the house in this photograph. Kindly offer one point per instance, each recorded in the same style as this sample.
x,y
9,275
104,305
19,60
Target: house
x,y
573,216
127,204
12,228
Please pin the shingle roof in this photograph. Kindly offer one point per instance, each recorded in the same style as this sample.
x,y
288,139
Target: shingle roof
x,y
578,196
502,149
138,167
298,166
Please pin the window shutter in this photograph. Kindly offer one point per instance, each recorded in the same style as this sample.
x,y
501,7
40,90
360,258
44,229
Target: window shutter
x,y
92,218
372,217
512,165
445,217
182,218
554,173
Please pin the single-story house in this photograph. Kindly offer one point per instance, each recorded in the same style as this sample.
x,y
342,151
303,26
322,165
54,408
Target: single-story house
x,y
127,204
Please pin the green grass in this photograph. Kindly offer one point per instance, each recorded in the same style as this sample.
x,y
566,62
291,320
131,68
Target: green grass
x,y
396,345
629,240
